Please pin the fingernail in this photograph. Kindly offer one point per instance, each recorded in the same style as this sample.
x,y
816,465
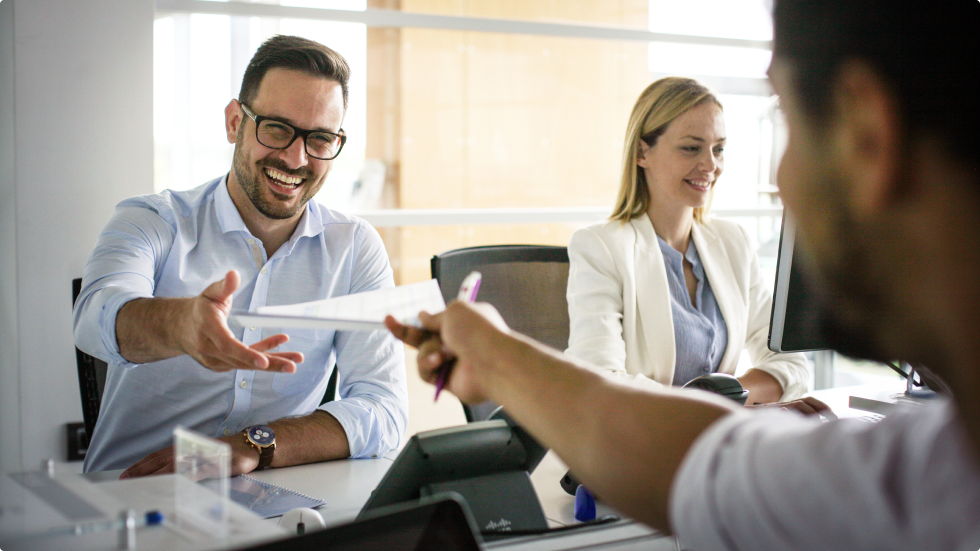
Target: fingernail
x,y
258,362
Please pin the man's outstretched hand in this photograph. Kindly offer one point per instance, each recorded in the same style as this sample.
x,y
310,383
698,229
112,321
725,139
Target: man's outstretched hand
x,y
154,329
206,338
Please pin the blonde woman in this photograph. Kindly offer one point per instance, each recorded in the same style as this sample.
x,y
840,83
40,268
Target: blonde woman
x,y
661,292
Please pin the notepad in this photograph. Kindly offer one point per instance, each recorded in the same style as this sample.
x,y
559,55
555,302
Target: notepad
x,y
358,312
266,499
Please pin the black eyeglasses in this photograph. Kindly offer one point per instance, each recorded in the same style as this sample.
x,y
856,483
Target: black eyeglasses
x,y
276,134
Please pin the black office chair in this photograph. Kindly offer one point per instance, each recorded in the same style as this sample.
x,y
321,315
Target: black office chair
x,y
331,393
91,376
525,283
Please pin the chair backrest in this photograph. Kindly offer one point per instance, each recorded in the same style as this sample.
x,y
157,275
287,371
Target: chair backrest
x,y
525,283
91,376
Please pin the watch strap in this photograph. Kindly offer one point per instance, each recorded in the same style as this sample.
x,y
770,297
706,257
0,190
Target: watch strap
x,y
265,456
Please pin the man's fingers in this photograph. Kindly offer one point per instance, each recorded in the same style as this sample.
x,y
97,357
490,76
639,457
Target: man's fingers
x,y
158,462
281,365
270,343
228,349
431,356
279,362
412,336
431,322
295,357
226,353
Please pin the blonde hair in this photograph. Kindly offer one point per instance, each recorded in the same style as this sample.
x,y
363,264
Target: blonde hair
x,y
657,107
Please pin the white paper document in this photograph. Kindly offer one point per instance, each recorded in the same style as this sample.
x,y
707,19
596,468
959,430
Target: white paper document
x,y
357,312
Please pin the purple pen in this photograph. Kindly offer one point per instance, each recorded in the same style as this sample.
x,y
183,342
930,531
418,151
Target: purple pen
x,y
467,293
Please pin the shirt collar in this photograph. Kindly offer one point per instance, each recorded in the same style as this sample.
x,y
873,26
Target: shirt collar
x,y
310,224
675,256
230,220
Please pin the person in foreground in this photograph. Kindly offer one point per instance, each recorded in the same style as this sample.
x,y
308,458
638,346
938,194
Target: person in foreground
x,y
661,292
252,238
883,179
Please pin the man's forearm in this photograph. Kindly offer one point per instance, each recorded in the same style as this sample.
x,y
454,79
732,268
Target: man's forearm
x,y
625,444
145,328
309,439
299,440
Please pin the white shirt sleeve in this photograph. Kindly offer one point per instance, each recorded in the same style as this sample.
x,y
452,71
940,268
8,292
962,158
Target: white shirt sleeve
x,y
777,480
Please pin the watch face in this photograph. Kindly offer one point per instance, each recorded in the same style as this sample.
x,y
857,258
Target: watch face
x,y
262,435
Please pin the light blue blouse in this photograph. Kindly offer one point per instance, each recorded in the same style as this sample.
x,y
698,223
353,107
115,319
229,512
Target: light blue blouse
x,y
700,333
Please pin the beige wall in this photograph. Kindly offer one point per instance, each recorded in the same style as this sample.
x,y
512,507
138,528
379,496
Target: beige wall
x,y
482,120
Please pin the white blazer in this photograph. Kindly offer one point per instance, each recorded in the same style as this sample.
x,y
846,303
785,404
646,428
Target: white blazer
x,y
619,302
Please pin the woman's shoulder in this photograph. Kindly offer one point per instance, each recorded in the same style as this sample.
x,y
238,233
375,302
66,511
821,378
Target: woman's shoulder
x,y
609,238
606,230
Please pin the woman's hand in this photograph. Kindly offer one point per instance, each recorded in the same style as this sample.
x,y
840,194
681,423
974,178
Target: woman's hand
x,y
807,406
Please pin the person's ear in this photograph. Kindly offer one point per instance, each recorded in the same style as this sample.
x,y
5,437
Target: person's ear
x,y
867,143
641,153
233,120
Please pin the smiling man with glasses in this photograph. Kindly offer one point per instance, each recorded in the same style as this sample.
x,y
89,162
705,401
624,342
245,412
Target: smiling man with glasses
x,y
254,237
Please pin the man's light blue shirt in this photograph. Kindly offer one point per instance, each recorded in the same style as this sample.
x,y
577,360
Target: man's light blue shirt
x,y
175,244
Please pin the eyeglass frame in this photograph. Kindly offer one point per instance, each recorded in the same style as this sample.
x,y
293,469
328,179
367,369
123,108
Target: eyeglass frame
x,y
297,132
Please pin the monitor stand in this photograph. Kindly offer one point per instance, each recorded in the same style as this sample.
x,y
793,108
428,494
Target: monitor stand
x,y
916,393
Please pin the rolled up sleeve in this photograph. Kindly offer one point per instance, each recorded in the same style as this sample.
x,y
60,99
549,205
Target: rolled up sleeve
x,y
127,254
371,383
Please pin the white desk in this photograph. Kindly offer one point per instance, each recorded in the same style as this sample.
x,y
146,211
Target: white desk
x,y
839,398
346,486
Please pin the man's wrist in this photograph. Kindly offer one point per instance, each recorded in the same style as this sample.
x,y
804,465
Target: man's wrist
x,y
263,439
180,313
497,354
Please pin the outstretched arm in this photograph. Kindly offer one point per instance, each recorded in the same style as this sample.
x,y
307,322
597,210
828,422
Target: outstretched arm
x,y
624,443
153,329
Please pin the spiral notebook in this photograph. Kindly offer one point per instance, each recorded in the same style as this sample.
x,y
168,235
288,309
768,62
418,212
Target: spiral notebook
x,y
266,499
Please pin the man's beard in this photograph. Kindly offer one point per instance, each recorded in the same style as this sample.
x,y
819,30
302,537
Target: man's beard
x,y
251,184
843,275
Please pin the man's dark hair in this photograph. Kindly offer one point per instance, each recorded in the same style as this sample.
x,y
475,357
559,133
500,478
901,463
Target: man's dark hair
x,y
294,53
926,52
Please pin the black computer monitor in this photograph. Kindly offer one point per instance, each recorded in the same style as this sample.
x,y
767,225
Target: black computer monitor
x,y
795,325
